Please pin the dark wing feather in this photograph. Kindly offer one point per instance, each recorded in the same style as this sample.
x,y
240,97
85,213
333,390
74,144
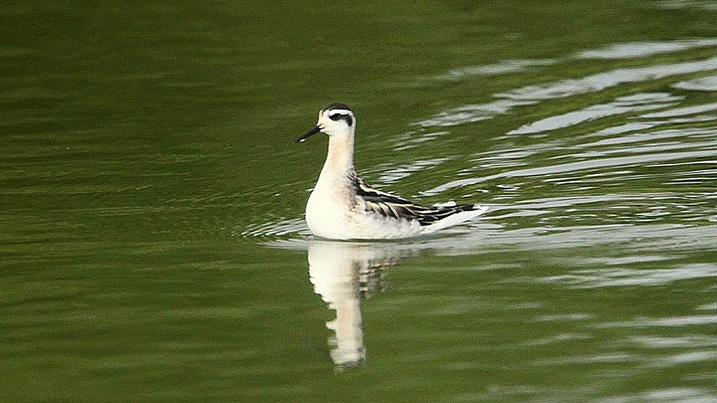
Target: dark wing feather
x,y
392,206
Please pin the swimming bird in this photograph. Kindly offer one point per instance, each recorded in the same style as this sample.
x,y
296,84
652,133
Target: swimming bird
x,y
342,206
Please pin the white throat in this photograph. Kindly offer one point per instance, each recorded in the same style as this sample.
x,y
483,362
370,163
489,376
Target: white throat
x,y
340,158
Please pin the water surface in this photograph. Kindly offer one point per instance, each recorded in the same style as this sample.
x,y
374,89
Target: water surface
x,y
151,202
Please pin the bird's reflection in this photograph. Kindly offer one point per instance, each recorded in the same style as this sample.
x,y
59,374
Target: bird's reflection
x,y
343,273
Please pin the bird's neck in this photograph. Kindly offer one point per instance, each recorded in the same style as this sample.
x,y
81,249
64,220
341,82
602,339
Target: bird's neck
x,y
339,160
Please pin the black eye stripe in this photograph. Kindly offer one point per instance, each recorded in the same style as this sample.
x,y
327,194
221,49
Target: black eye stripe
x,y
336,116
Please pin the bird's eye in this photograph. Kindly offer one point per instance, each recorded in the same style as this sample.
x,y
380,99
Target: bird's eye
x,y
342,115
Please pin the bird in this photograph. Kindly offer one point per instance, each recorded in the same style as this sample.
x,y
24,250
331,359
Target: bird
x,y
343,207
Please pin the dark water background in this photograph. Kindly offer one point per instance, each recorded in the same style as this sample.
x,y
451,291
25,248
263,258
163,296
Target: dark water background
x,y
152,245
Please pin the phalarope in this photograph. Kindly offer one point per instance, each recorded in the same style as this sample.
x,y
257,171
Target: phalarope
x,y
342,206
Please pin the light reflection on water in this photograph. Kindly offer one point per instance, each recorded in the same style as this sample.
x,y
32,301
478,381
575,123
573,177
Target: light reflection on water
x,y
533,94
620,106
633,50
699,84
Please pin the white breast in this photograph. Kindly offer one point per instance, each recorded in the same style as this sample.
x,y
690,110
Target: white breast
x,y
327,213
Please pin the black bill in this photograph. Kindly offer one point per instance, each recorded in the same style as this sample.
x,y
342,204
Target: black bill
x,y
308,134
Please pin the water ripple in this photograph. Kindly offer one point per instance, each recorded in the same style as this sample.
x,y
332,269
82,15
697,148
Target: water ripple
x,y
706,5
620,106
699,84
397,173
601,81
532,94
502,67
620,277
631,50
592,164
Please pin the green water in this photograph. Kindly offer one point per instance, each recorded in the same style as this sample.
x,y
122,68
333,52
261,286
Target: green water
x,y
152,244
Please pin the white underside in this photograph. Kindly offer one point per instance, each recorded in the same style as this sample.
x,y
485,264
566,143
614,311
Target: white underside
x,y
334,217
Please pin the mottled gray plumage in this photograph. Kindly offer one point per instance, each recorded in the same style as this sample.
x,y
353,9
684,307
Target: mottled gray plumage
x,y
392,206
